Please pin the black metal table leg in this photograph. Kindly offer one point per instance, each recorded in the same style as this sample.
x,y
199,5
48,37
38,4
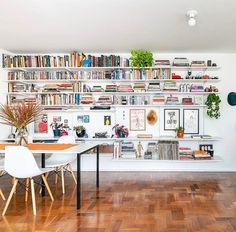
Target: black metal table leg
x,y
43,166
78,181
98,166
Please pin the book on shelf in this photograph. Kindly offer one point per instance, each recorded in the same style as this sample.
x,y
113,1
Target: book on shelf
x,y
197,88
198,63
154,87
158,100
144,136
172,101
104,100
180,62
162,62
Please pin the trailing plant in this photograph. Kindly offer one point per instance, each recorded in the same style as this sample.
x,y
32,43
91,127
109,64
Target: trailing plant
x,y
141,59
213,105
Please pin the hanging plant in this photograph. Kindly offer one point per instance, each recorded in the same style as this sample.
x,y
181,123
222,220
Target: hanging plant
x,y
141,59
213,105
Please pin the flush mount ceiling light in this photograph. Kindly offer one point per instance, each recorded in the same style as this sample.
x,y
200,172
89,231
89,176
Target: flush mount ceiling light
x,y
192,14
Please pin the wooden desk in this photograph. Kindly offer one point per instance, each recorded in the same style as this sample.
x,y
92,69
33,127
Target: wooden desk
x,y
79,149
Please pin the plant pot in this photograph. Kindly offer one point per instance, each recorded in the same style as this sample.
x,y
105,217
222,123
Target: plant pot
x,y
81,133
180,135
57,133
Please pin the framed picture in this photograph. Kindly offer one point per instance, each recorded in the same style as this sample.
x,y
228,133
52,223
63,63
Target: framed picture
x,y
171,119
80,118
137,119
191,121
41,125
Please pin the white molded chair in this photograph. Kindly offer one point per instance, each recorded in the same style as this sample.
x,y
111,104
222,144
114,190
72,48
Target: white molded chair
x,y
2,173
61,161
20,163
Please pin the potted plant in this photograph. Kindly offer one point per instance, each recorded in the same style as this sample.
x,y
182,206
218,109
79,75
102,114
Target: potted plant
x,y
141,59
19,115
80,131
213,105
180,132
56,127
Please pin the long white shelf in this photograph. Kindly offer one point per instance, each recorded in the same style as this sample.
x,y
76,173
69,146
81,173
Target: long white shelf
x,y
160,138
127,106
117,80
115,93
214,159
77,69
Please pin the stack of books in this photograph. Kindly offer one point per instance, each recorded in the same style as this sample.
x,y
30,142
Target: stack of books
x,y
201,155
128,151
158,100
187,101
162,62
111,88
151,150
170,86
97,88
198,63
185,153
87,99
197,88
65,87
172,101
104,100
139,87
181,62
125,88
153,87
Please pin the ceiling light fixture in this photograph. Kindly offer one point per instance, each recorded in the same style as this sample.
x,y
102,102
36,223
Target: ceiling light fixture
x,y
191,14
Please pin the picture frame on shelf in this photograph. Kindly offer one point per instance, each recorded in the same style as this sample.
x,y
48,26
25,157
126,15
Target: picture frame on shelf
x,y
171,119
86,118
191,121
41,125
137,119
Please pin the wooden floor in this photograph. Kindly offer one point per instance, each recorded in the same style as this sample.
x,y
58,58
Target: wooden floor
x,y
130,202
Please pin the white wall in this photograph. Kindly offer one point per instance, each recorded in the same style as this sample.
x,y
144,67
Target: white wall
x,y
224,127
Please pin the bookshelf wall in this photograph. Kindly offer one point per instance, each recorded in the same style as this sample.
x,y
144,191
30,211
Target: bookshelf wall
x,y
61,84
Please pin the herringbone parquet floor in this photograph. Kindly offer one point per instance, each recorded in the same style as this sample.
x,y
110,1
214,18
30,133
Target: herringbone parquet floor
x,y
130,202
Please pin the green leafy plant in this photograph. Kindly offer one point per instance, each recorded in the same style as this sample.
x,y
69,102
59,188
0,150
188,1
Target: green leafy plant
x,y
213,105
141,59
179,130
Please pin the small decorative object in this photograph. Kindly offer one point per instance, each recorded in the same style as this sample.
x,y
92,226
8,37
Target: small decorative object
x,y
107,120
209,63
171,119
120,131
86,118
137,119
232,99
191,121
208,148
19,115
141,59
180,132
101,135
213,105
152,117
56,127
140,148
80,131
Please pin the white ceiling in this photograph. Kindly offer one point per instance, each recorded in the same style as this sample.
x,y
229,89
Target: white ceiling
x,y
117,25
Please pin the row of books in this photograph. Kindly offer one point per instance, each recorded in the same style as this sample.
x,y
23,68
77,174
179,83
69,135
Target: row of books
x,y
74,59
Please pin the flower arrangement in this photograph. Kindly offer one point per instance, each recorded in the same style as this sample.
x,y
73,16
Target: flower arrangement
x,y
19,115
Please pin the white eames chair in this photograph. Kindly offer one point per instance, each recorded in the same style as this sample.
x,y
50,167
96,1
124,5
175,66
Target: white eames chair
x,y
20,163
2,173
61,161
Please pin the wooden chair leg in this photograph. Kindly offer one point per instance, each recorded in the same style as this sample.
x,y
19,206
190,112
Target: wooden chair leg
x,y
46,176
47,186
33,196
72,173
10,196
56,177
26,189
13,181
2,195
62,180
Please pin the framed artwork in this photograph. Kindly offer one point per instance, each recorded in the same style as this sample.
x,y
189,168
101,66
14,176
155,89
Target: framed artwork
x,y
191,121
41,125
107,120
86,118
171,119
137,119
80,118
